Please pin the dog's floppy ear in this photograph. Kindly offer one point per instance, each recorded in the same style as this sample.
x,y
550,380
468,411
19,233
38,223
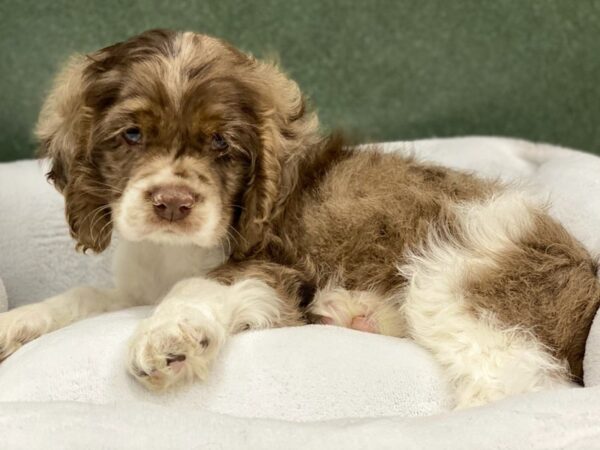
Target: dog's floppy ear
x,y
63,131
287,129
61,126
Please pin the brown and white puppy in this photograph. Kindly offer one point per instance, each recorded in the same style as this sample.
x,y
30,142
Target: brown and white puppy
x,y
201,157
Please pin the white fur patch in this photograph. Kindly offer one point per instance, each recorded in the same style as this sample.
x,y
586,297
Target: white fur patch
x,y
482,361
192,323
146,271
185,54
174,78
134,216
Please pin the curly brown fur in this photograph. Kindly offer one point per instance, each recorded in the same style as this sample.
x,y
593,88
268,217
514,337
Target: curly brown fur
x,y
303,212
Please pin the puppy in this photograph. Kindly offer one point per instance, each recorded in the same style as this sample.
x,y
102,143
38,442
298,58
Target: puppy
x,y
234,212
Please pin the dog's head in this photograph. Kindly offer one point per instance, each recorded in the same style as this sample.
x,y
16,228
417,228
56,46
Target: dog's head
x,y
172,137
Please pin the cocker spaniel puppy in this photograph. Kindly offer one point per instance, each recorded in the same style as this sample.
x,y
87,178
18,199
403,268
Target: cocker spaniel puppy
x,y
202,157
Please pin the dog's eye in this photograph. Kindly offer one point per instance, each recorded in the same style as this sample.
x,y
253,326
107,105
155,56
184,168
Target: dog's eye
x,y
133,135
219,142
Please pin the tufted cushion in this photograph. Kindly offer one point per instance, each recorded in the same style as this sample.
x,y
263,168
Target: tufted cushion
x,y
378,388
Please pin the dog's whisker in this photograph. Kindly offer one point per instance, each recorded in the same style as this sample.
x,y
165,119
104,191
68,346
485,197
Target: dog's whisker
x,y
94,213
226,251
97,214
105,186
229,235
109,223
238,233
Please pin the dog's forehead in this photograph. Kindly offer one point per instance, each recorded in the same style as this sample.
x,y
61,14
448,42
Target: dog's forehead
x,y
175,67
181,49
161,68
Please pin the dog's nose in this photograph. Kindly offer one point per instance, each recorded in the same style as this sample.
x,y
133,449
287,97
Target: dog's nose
x,y
172,203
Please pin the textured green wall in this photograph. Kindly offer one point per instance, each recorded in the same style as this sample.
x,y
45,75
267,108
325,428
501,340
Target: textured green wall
x,y
385,70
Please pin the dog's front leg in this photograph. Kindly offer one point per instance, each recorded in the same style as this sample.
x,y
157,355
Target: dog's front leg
x,y
182,338
21,325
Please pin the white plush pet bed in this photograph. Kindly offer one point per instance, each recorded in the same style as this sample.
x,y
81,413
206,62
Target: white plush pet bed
x,y
308,387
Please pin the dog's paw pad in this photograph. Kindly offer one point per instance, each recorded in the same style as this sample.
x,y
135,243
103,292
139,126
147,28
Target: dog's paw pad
x,y
164,353
176,362
364,323
172,359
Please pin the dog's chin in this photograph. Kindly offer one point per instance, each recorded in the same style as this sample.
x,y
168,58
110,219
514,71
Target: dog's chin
x,y
166,235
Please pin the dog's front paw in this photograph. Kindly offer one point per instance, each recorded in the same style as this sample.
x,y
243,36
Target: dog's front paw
x,y
21,325
175,346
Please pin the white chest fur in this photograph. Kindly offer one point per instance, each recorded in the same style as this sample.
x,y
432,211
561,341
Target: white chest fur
x,y
146,271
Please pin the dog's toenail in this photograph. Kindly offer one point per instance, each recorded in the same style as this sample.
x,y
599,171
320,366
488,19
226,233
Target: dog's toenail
x,y
140,373
175,358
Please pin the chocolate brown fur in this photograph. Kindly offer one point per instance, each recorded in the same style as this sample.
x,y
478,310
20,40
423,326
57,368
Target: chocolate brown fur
x,y
547,285
299,210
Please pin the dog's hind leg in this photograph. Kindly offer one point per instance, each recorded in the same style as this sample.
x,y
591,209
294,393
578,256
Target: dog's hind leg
x,y
478,298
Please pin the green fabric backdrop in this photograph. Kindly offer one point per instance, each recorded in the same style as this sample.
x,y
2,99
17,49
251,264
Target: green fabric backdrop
x,y
384,70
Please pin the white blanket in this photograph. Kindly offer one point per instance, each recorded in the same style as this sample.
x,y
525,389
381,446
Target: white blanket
x,y
276,388
37,257
298,374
